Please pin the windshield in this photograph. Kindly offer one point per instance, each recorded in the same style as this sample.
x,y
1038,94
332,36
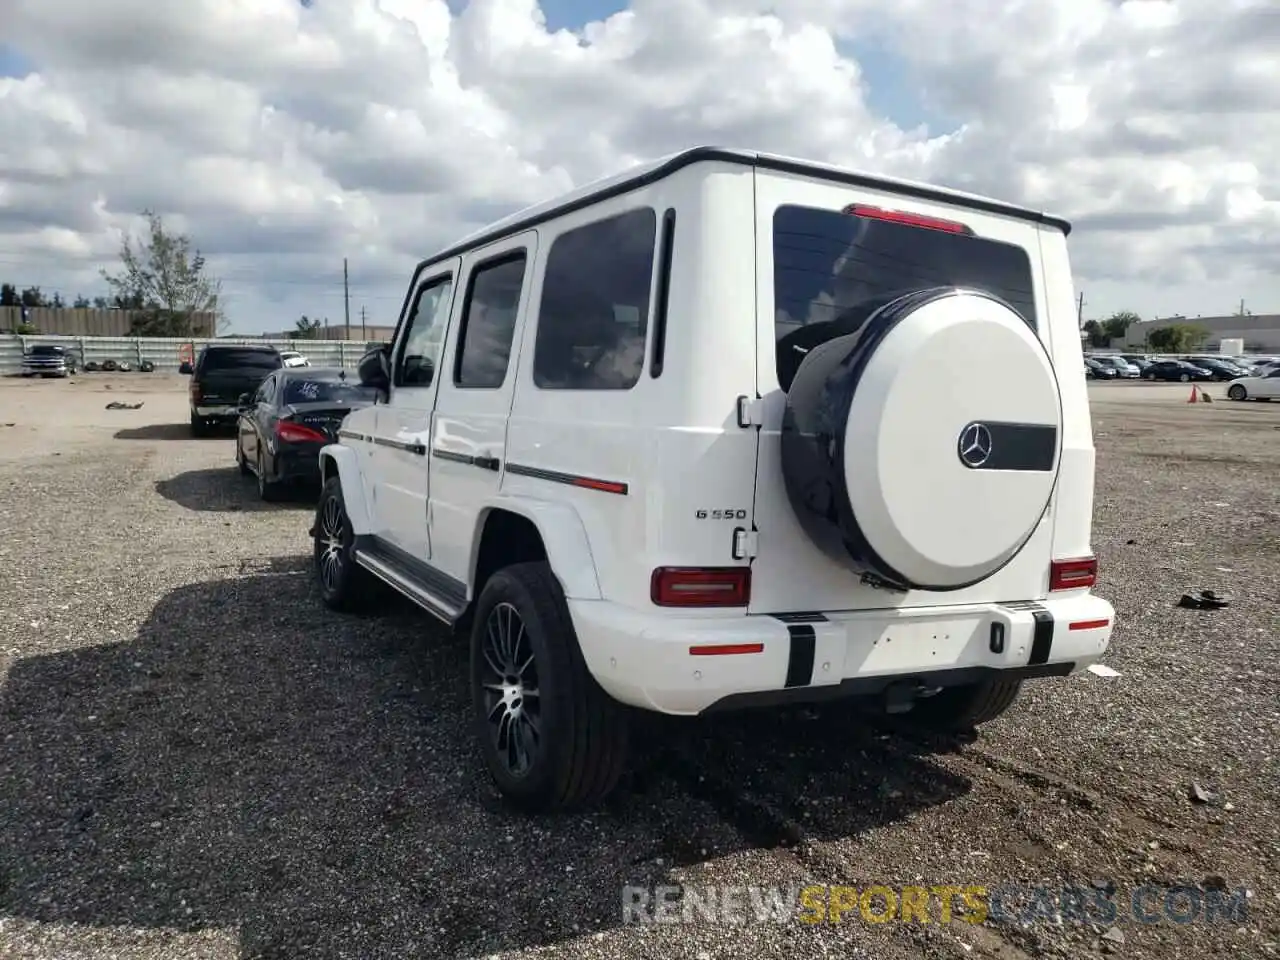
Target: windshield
x,y
323,390
46,350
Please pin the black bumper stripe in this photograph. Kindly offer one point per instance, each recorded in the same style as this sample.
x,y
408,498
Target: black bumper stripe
x,y
800,657
1042,638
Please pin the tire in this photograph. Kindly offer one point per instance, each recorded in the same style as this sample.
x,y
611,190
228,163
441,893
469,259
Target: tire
x,y
1237,392
960,709
345,587
1186,377
268,492
580,747
199,426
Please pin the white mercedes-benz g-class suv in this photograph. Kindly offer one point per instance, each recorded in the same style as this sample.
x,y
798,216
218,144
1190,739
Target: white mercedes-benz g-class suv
x,y
727,430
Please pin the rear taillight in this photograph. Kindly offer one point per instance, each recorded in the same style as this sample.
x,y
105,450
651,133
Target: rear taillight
x,y
906,219
700,586
1073,574
290,432
195,390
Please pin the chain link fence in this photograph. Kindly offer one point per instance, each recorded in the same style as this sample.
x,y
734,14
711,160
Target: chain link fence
x,y
166,352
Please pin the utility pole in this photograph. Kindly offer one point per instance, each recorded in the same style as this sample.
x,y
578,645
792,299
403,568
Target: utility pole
x,y
364,332
346,297
1080,311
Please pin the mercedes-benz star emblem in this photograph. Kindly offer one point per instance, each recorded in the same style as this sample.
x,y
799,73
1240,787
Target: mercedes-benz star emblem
x,y
975,445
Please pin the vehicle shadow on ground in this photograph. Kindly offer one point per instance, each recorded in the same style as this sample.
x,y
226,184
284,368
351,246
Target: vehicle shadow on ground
x,y
220,489
158,431
250,761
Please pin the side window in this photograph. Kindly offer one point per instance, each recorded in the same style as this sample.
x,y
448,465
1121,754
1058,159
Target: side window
x,y
489,322
424,333
595,305
265,390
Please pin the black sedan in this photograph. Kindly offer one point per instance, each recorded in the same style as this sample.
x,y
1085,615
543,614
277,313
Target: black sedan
x,y
1176,370
285,422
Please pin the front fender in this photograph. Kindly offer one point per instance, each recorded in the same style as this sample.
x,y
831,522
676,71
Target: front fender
x,y
563,535
342,460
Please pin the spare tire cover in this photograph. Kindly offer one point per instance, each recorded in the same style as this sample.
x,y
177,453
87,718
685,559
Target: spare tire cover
x,y
922,450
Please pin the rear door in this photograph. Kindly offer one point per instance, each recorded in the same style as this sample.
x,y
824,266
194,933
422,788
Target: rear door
x,y
814,262
468,443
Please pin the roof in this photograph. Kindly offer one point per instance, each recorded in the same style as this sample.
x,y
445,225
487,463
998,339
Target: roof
x,y
653,171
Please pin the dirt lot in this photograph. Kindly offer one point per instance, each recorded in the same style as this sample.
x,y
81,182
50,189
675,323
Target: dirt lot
x,y
196,760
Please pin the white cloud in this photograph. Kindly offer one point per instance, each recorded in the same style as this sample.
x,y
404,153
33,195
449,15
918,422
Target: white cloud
x,y
284,138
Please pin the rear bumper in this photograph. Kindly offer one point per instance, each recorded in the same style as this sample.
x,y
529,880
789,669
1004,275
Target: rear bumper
x,y
298,462
644,659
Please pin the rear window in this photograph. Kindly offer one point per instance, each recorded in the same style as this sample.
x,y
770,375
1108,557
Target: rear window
x,y
831,271
326,391
225,359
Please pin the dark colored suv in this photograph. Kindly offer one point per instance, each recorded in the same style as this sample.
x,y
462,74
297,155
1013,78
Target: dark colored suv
x,y
220,374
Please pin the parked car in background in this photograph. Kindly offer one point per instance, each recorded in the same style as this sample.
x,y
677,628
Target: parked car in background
x,y
1176,370
1219,369
292,358
1122,367
287,420
220,374
1141,361
1264,387
1095,370
49,360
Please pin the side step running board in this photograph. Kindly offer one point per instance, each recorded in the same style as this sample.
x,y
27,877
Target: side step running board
x,y
413,588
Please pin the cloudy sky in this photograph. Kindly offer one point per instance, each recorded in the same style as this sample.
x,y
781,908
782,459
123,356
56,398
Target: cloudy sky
x,y
283,135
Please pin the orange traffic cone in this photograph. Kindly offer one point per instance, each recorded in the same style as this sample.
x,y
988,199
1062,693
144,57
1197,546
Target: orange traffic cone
x,y
1195,395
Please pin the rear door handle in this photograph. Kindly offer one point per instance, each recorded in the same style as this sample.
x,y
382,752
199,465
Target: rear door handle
x,y
487,462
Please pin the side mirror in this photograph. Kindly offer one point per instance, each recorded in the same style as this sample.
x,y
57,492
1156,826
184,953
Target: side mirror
x,y
374,369
244,402
186,368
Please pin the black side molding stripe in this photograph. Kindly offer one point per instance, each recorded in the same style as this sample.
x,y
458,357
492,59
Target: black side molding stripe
x,y
484,463
572,480
800,658
352,435
419,448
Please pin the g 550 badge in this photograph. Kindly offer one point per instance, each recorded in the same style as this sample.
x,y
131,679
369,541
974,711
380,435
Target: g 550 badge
x,y
720,514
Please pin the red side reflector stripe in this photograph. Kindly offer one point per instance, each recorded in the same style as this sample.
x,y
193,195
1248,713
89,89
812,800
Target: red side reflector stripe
x,y
726,649
907,219
605,486
1088,624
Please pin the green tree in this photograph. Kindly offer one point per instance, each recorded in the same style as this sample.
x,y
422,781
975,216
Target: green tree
x,y
1178,337
164,276
1097,336
307,329
32,297
9,295
1116,325
81,302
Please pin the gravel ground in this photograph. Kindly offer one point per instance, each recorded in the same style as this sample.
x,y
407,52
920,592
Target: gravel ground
x,y
198,761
